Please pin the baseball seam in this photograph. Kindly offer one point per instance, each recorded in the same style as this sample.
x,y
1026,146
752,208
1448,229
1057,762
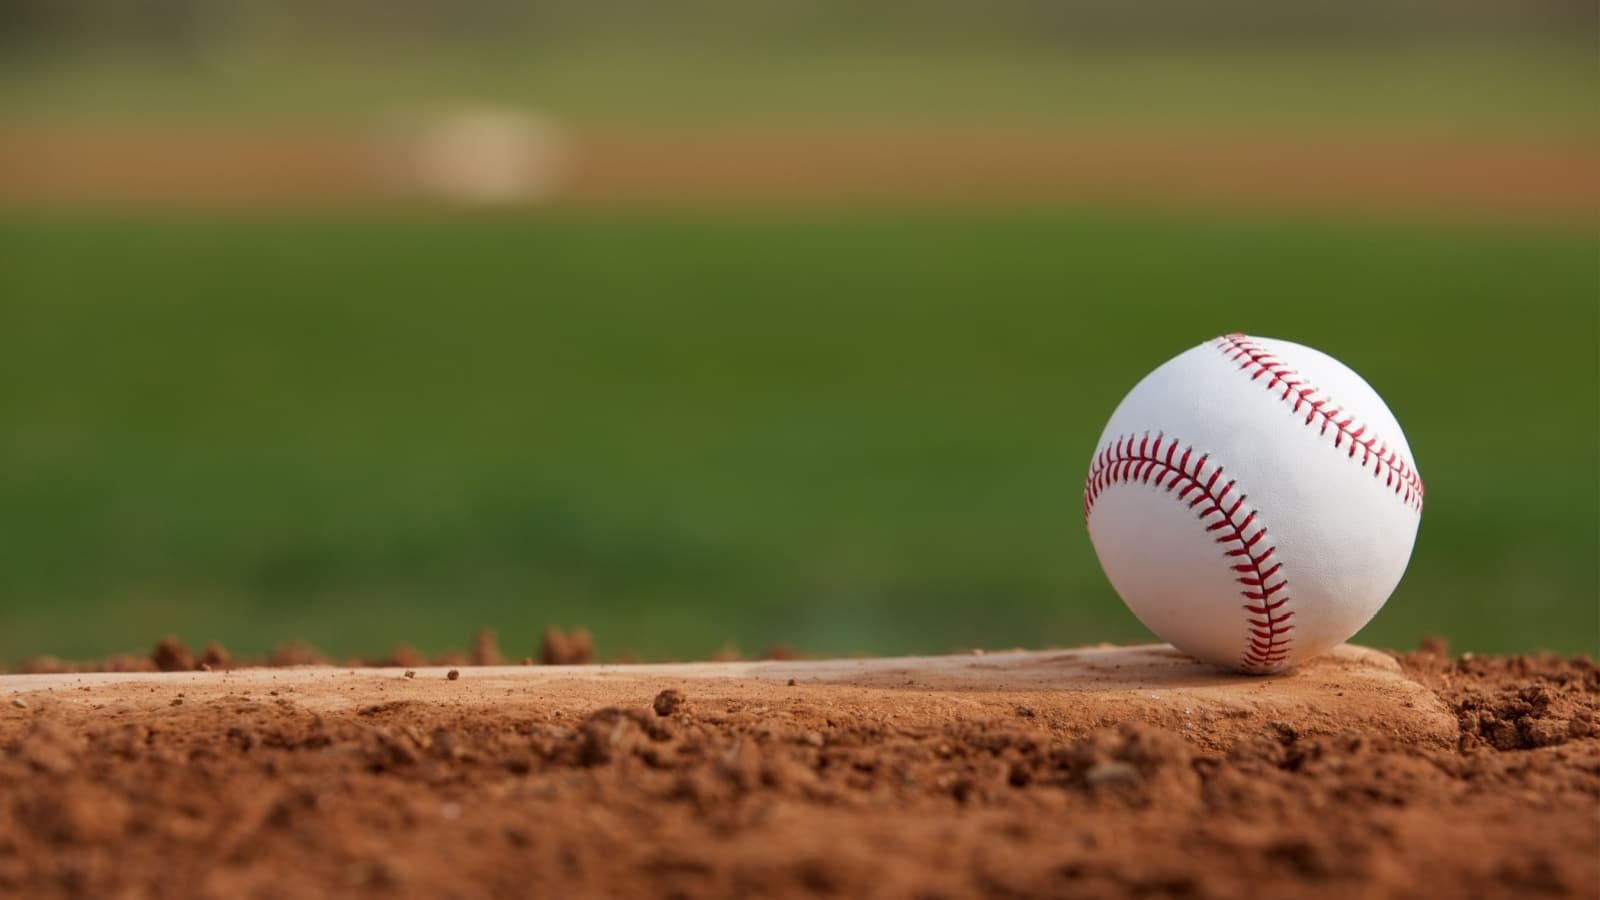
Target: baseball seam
x,y
1142,460
1298,393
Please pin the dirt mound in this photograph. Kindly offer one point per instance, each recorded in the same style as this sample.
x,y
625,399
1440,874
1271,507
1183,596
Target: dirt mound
x,y
1514,702
559,648
262,786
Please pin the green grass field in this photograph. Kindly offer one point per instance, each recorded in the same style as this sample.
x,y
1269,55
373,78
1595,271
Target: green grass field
x,y
848,432
1527,90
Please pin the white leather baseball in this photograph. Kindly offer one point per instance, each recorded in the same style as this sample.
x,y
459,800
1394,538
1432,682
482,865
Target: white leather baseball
x,y
1253,501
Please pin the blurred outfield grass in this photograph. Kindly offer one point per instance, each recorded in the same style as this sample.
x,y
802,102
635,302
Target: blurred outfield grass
x,y
848,432
1511,88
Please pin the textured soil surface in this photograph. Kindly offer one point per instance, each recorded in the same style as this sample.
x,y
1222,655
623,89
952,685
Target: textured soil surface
x,y
1096,773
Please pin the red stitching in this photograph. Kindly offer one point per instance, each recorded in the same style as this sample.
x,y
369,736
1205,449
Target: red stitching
x,y
1385,462
1132,459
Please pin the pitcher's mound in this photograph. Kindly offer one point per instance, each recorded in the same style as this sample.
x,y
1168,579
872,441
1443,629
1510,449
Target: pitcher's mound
x,y
1098,772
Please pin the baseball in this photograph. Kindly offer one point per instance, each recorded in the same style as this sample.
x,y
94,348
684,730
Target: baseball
x,y
1253,501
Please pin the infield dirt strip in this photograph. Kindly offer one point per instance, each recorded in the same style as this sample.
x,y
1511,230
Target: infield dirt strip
x,y
1549,179
1112,772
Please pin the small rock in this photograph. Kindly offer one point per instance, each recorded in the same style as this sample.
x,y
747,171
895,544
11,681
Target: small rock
x,y
1112,772
19,703
668,702
453,674
411,673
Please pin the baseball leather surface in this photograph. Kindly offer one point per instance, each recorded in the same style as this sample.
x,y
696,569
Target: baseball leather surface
x,y
1253,501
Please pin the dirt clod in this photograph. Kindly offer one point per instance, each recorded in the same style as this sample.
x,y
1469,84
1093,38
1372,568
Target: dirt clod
x,y
170,655
296,653
216,656
558,648
453,674
668,702
1514,703
485,649
404,655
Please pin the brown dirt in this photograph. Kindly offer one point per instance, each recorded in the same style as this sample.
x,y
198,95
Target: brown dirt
x,y
1540,180
1096,773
